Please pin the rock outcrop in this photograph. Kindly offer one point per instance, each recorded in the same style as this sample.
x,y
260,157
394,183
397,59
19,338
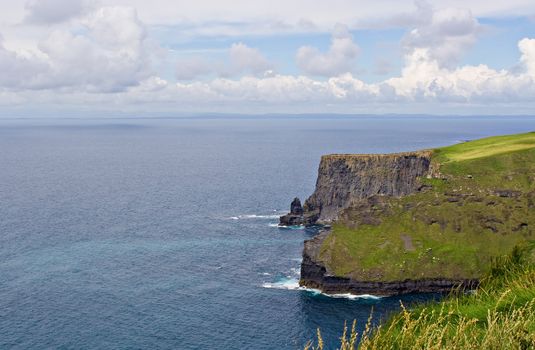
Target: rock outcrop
x,y
295,216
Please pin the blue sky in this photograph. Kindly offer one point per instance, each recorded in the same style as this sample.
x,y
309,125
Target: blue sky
x,y
294,56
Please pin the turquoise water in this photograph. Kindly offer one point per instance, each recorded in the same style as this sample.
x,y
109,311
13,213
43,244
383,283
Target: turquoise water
x,y
160,233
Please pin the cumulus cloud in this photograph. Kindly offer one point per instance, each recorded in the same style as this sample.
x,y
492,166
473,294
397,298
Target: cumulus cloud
x,y
339,59
110,53
242,59
527,48
55,11
423,78
445,33
19,71
103,57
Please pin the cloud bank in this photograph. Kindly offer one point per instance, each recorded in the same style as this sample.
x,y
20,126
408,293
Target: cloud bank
x,y
96,56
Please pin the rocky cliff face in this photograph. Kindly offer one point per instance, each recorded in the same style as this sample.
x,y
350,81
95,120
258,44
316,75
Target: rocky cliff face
x,y
344,179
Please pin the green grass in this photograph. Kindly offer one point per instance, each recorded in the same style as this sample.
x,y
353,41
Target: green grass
x,y
499,315
451,230
486,147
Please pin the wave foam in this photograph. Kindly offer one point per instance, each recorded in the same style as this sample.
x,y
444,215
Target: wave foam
x,y
295,227
254,216
289,284
293,284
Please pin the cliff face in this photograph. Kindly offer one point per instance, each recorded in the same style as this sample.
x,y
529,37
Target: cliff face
x,y
344,179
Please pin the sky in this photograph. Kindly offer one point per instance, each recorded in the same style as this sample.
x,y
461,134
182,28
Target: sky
x,y
69,57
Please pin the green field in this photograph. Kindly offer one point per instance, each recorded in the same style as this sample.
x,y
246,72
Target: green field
x,y
481,206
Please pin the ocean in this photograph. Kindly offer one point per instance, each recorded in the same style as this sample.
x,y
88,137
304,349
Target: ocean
x,y
160,233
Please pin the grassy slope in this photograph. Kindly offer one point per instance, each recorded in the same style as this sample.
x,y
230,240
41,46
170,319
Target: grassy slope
x,y
451,230
499,315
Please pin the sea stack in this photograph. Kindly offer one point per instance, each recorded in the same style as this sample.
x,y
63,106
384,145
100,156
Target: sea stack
x,y
295,216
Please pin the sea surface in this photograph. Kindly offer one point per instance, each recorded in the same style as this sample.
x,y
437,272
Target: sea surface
x,y
140,233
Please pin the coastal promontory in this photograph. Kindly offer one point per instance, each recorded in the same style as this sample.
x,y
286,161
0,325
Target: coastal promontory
x,y
424,221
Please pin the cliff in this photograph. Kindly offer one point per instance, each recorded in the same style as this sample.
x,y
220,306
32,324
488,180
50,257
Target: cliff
x,y
345,179
400,226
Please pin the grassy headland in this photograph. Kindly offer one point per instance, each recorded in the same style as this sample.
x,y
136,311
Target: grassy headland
x,y
480,204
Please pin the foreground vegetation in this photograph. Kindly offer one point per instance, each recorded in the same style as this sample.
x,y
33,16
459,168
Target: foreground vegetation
x,y
479,204
499,315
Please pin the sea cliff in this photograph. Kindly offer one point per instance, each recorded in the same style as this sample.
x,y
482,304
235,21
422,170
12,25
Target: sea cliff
x,y
425,221
345,179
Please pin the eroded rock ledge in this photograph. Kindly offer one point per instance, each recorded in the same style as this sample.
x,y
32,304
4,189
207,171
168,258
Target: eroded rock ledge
x,y
315,275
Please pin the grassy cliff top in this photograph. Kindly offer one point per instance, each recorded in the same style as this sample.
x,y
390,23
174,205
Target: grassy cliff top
x,y
487,147
480,207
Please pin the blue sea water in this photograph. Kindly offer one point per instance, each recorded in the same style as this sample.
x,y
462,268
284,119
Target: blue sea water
x,y
160,233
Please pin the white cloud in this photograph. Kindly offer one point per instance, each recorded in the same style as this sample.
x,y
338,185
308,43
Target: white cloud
x,y
248,60
106,51
102,57
338,60
298,15
54,11
242,59
445,33
19,71
424,79
213,17
527,48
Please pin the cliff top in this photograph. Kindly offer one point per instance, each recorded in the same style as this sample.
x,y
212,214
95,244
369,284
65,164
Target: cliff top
x,y
487,147
421,153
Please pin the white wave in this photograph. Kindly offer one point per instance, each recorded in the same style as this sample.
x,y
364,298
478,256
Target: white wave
x,y
273,225
265,274
290,284
293,284
354,296
295,227
255,216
